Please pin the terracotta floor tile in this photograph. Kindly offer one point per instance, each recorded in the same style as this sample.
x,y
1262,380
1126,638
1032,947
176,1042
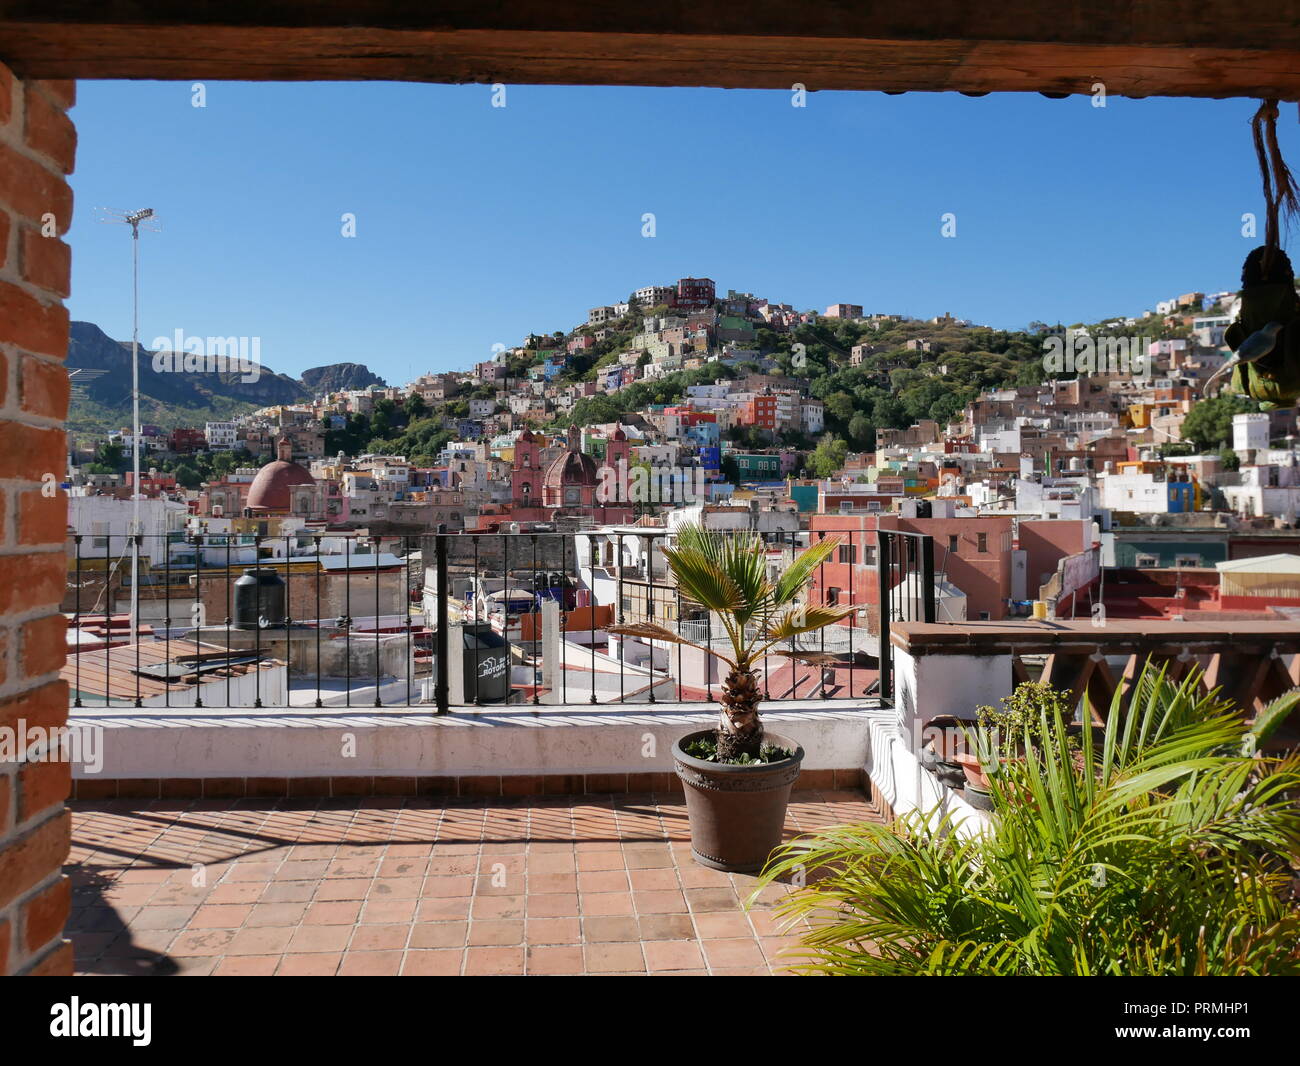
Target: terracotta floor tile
x,y
379,938
496,932
659,902
289,892
247,966
342,888
737,952
722,925
448,886
672,955
610,958
371,964
439,935
381,911
340,912
610,929
263,941
163,917
494,961
309,938
606,903
202,942
276,914
555,960
553,905
603,881
220,916
317,964
658,880
713,899
666,927
497,907
435,910
385,888
437,963
599,860
552,931
385,885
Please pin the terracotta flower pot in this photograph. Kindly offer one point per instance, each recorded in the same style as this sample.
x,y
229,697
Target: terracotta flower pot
x,y
974,769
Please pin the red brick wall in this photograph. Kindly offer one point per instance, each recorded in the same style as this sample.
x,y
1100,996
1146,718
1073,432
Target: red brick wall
x,y
37,145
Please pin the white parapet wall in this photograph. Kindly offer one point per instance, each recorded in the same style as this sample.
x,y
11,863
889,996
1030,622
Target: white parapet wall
x,y
217,742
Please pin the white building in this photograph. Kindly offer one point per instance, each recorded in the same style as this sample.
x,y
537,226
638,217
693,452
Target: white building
x,y
221,436
1249,432
104,523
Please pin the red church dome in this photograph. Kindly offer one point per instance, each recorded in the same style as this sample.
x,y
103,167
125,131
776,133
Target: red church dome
x,y
270,488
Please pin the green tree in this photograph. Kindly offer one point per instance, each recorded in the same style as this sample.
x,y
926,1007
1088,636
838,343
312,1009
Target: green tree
x,y
415,407
187,476
1208,424
827,458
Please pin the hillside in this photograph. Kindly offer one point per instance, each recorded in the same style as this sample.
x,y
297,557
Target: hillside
x,y
340,377
169,398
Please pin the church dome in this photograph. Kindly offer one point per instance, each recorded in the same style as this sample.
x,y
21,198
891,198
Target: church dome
x,y
270,490
571,469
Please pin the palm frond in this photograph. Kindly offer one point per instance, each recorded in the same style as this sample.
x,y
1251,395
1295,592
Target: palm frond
x,y
1162,847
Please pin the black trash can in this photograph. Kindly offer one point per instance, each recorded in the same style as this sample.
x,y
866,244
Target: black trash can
x,y
259,594
487,664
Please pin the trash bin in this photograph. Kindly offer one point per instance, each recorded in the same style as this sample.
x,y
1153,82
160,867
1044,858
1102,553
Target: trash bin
x,y
487,664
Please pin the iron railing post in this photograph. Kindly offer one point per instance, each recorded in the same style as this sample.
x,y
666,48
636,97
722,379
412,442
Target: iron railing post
x,y
927,579
442,645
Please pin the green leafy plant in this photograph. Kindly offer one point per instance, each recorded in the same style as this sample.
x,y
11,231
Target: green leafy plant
x,y
726,573
1160,844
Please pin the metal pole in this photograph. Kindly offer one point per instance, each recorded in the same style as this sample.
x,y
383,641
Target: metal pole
x,y
928,591
441,643
135,426
883,564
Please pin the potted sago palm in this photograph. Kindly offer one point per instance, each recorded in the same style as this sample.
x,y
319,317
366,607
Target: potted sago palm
x,y
736,777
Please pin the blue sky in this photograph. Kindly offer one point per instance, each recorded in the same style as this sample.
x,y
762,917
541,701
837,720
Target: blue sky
x,y
475,224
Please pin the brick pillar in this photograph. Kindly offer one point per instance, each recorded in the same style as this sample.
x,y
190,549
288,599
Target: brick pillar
x,y
37,146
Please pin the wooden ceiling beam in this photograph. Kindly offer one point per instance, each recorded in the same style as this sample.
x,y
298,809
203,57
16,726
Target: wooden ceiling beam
x,y
1153,48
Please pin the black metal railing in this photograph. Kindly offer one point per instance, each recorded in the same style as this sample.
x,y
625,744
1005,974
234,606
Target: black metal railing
x,y
454,620
907,593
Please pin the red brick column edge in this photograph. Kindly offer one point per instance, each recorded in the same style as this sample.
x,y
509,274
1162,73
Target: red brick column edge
x,y
37,150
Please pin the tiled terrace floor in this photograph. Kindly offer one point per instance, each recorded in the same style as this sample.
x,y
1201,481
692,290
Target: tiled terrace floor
x,y
582,885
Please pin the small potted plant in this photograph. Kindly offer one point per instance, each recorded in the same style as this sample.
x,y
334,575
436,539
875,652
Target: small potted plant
x,y
736,777
1002,734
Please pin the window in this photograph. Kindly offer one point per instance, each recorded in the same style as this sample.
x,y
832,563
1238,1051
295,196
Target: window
x,y
1145,560
1187,560
984,616
952,542
832,597
848,553
983,542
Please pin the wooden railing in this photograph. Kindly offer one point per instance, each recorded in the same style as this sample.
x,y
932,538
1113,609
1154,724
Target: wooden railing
x,y
1250,662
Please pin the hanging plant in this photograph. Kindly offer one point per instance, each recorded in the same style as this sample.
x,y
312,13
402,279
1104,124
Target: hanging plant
x,y
1265,337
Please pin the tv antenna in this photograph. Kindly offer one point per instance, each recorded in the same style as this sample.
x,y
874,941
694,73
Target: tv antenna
x,y
146,219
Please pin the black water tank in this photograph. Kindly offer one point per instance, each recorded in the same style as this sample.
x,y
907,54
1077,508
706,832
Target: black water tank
x,y
259,594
